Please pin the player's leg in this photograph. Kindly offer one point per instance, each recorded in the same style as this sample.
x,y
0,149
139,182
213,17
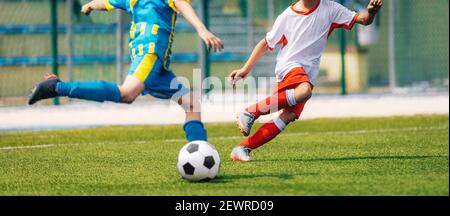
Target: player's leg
x,y
193,128
265,134
131,88
164,84
101,91
281,100
269,130
52,86
191,106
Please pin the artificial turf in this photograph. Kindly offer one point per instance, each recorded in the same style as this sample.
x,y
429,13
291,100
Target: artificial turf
x,y
354,156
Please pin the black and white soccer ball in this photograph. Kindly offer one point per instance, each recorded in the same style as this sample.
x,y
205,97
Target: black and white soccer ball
x,y
198,161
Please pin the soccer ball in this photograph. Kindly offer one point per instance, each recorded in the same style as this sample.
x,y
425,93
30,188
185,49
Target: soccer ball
x,y
198,161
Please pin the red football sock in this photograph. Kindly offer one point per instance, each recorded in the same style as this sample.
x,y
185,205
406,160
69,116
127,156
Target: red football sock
x,y
265,133
270,105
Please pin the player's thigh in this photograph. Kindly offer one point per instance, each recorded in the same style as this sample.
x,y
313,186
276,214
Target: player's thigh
x,y
139,73
131,87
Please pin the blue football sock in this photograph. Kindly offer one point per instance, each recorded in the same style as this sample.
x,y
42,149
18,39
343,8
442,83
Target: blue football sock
x,y
195,131
99,91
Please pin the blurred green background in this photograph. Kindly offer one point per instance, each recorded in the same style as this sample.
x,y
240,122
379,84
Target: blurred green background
x,y
421,50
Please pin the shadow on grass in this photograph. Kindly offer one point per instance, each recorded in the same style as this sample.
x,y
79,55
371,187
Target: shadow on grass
x,y
280,176
405,157
283,176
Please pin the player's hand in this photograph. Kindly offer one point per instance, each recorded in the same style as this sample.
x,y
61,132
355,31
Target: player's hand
x,y
87,9
212,42
374,6
237,75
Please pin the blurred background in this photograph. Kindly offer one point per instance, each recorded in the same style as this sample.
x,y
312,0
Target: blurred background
x,y
406,50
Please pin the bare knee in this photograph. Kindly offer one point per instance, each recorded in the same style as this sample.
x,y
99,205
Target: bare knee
x,y
190,103
303,93
130,89
287,116
127,97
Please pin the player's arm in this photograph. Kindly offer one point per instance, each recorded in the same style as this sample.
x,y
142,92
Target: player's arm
x,y
93,5
372,10
211,41
273,37
260,50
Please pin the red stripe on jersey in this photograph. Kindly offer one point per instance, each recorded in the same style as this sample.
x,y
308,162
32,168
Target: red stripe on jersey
x,y
348,27
283,41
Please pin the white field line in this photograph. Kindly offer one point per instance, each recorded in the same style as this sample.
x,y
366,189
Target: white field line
x,y
387,130
330,133
27,147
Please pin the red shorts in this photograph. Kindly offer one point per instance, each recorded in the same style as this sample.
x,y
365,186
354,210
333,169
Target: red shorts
x,y
293,78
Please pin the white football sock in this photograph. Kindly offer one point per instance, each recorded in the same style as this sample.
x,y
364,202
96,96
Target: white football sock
x,y
290,96
279,123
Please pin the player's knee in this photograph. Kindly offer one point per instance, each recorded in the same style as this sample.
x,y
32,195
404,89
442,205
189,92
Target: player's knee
x,y
127,100
288,116
127,97
195,105
130,90
190,103
303,93
307,95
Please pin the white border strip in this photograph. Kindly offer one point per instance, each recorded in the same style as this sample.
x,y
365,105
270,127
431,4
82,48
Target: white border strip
x,y
388,130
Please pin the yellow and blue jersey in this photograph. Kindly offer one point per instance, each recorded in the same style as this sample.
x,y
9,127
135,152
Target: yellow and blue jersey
x,y
152,26
151,38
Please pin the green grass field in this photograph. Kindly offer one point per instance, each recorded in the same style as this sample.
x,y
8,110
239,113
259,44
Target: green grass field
x,y
358,156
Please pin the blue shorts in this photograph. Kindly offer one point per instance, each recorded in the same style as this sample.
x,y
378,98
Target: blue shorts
x,y
158,81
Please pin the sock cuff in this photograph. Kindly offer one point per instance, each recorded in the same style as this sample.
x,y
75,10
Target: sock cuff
x,y
62,89
279,123
290,97
195,131
112,91
197,122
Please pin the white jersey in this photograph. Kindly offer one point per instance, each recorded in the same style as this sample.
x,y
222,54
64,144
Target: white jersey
x,y
304,36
